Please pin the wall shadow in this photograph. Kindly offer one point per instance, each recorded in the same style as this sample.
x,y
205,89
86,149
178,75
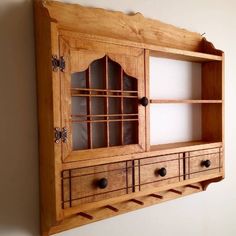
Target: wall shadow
x,y
19,201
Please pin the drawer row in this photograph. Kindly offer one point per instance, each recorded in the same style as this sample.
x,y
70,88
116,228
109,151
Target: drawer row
x,y
91,184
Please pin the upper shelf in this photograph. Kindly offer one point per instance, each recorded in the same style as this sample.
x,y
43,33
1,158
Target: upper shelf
x,y
178,54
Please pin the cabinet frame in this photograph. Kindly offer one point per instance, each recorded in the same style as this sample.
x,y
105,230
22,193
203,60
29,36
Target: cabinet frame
x,y
55,20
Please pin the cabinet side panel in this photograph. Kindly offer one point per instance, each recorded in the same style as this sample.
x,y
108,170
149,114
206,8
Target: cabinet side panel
x,y
46,124
212,80
212,84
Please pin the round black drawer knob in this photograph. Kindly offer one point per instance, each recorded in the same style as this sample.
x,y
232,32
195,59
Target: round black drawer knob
x,y
162,172
206,163
102,183
144,101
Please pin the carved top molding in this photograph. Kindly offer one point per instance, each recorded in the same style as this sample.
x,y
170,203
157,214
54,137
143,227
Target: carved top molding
x,y
119,26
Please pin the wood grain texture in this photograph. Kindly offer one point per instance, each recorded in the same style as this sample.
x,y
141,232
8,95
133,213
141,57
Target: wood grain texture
x,y
48,118
118,25
74,32
149,167
83,183
212,122
131,61
136,195
183,55
194,166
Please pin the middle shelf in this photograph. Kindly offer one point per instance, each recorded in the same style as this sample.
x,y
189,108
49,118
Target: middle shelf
x,y
188,101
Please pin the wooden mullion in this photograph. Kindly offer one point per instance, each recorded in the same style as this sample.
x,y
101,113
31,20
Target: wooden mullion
x,y
109,115
104,90
106,102
105,120
102,95
122,105
89,124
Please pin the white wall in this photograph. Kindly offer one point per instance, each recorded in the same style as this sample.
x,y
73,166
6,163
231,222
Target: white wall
x,y
204,214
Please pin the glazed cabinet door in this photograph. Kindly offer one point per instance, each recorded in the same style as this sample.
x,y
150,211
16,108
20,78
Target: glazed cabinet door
x,y
101,89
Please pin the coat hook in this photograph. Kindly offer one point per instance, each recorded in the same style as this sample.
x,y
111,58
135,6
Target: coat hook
x,y
203,34
85,215
156,196
137,201
193,186
175,191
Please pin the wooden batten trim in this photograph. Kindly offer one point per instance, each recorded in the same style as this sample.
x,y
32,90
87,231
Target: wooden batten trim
x,y
130,197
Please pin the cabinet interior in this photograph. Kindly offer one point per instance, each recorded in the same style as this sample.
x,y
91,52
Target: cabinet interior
x,y
182,105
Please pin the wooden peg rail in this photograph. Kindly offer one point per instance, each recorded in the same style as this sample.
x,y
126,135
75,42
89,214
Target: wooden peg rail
x,y
136,203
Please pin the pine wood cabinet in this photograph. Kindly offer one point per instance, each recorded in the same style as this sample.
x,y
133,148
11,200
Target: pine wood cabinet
x,y
97,117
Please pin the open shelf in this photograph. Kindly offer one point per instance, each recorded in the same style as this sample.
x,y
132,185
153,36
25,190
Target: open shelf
x,y
204,144
174,81
188,101
185,122
184,55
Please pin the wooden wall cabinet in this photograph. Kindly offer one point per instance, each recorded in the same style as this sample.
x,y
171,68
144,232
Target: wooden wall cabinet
x,y
96,158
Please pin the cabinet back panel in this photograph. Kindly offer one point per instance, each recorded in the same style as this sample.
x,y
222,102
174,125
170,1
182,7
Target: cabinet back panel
x,y
171,123
173,79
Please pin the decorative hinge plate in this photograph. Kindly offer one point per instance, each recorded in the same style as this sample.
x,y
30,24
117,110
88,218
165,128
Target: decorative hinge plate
x,y
58,63
60,135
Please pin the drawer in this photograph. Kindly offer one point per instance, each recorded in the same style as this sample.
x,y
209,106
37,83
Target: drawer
x,y
204,162
96,183
160,170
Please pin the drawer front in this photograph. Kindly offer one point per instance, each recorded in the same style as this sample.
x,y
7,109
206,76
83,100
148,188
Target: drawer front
x,y
204,162
160,170
96,183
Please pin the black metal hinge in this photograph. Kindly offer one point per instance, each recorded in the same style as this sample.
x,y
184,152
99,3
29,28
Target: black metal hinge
x,y
58,63
60,135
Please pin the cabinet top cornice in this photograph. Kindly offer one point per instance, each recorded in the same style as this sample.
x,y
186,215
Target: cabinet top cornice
x,y
116,25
